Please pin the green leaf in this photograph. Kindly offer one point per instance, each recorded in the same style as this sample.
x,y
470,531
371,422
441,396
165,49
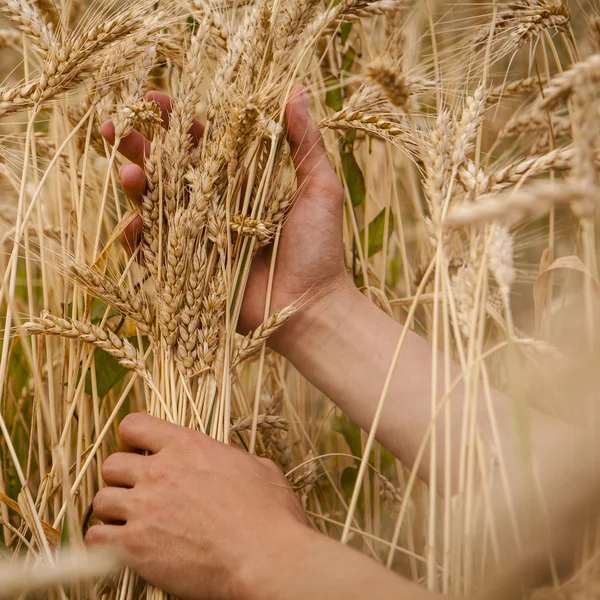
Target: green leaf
x,y
349,59
376,232
395,269
348,480
97,312
354,176
109,372
193,25
64,534
333,96
351,433
345,29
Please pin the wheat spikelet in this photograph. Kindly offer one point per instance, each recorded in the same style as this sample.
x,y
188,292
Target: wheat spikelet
x,y
437,161
560,159
178,141
511,207
131,304
263,423
522,21
466,129
280,205
189,322
261,230
136,111
348,11
120,348
252,343
396,86
171,292
28,20
356,119
389,493
219,34
515,88
464,286
291,25
244,119
213,307
562,85
304,482
275,440
500,258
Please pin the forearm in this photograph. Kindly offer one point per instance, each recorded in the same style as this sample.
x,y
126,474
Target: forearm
x,y
345,348
302,564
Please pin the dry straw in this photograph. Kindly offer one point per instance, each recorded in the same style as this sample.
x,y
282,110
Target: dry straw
x,y
461,133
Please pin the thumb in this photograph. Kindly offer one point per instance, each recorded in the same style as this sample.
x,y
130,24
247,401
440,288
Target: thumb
x,y
309,154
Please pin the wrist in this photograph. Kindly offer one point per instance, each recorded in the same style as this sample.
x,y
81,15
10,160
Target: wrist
x,y
317,313
263,574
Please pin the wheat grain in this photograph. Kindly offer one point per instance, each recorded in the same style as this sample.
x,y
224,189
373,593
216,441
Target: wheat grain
x,y
27,19
263,423
511,207
562,85
120,348
132,304
252,343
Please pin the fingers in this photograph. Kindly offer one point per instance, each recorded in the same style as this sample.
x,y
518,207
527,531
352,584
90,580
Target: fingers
x,y
113,504
123,469
306,142
139,430
133,181
105,535
134,147
130,238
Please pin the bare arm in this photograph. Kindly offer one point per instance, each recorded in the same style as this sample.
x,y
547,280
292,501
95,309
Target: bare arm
x,y
318,567
344,345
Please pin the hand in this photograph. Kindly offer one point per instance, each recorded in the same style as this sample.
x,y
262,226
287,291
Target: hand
x,y
193,517
310,260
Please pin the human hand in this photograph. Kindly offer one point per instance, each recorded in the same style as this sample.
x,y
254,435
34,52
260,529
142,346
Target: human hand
x,y
195,516
310,260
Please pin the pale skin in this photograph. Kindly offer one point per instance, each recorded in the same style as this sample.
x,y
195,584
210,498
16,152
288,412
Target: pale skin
x,y
200,519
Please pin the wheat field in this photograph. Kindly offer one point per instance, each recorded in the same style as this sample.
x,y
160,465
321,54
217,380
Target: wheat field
x,y
466,136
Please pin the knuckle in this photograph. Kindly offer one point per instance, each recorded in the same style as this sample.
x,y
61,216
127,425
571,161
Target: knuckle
x,y
136,537
157,470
